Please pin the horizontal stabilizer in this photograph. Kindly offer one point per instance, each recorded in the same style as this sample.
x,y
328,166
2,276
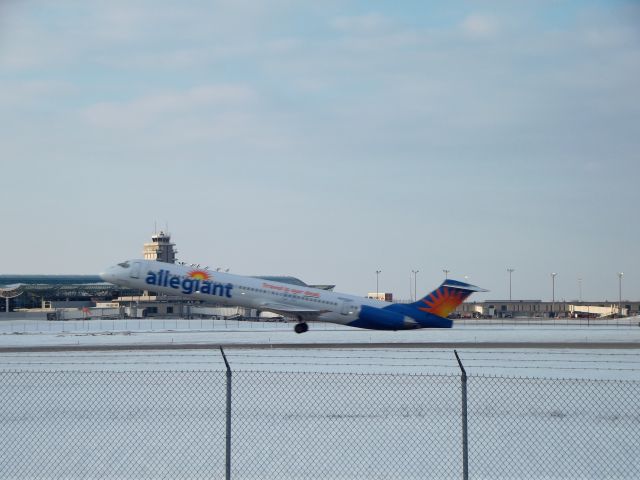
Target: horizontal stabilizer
x,y
462,286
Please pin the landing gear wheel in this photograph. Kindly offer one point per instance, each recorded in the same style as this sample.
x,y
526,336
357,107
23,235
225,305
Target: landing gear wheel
x,y
301,327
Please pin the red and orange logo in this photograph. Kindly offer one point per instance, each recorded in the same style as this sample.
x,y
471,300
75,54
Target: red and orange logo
x,y
199,275
443,301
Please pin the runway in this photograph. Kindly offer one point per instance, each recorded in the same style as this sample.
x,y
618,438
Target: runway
x,y
321,346
177,334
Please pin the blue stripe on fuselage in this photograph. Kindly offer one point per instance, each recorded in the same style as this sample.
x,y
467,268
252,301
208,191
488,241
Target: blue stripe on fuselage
x,y
424,319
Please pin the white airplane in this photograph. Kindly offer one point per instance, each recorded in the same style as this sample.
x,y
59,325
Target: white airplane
x,y
303,303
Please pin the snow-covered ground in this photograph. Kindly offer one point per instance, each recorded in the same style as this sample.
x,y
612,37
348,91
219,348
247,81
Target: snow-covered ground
x,y
342,412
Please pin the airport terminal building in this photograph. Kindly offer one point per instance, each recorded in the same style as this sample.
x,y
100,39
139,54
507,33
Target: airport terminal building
x,y
542,309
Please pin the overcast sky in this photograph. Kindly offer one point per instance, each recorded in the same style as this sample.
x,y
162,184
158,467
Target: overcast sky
x,y
327,140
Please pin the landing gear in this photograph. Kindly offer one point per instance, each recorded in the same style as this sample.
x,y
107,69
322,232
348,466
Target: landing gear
x,y
301,327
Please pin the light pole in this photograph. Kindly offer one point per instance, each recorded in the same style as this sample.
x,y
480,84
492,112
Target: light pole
x,y
620,274
378,272
510,270
553,293
446,273
580,290
415,292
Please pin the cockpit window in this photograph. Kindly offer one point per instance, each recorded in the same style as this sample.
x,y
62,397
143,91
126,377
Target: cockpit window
x,y
124,264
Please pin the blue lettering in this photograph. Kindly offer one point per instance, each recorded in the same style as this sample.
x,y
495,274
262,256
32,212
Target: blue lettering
x,y
187,286
218,289
164,278
151,278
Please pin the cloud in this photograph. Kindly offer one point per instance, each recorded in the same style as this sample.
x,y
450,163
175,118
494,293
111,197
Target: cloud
x,y
120,33
371,23
480,26
159,107
33,92
200,123
28,49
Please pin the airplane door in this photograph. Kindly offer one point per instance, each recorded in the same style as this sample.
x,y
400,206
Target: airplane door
x,y
346,308
135,270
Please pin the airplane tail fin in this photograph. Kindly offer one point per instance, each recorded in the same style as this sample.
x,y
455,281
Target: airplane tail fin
x,y
444,299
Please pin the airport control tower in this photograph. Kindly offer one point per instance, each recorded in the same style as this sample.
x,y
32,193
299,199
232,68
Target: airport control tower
x,y
160,248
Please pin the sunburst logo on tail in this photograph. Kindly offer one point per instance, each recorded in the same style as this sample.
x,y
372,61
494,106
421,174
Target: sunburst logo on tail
x,y
199,275
443,301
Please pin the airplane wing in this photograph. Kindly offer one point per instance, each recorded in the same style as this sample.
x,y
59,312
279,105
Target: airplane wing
x,y
292,310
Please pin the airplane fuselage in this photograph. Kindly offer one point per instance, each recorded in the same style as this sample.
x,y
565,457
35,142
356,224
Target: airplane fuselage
x,y
237,290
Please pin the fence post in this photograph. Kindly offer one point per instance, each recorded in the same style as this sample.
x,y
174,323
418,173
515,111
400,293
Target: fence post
x,y
228,435
465,442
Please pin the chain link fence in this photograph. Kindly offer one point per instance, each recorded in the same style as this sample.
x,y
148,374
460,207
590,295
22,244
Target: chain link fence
x,y
112,424
290,425
543,428
172,424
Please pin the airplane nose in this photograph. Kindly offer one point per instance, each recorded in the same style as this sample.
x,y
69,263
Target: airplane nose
x,y
106,275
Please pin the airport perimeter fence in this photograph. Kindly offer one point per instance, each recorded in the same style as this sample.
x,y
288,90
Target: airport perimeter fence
x,y
266,424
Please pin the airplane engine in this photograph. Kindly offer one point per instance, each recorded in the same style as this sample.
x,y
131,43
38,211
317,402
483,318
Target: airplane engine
x,y
380,319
